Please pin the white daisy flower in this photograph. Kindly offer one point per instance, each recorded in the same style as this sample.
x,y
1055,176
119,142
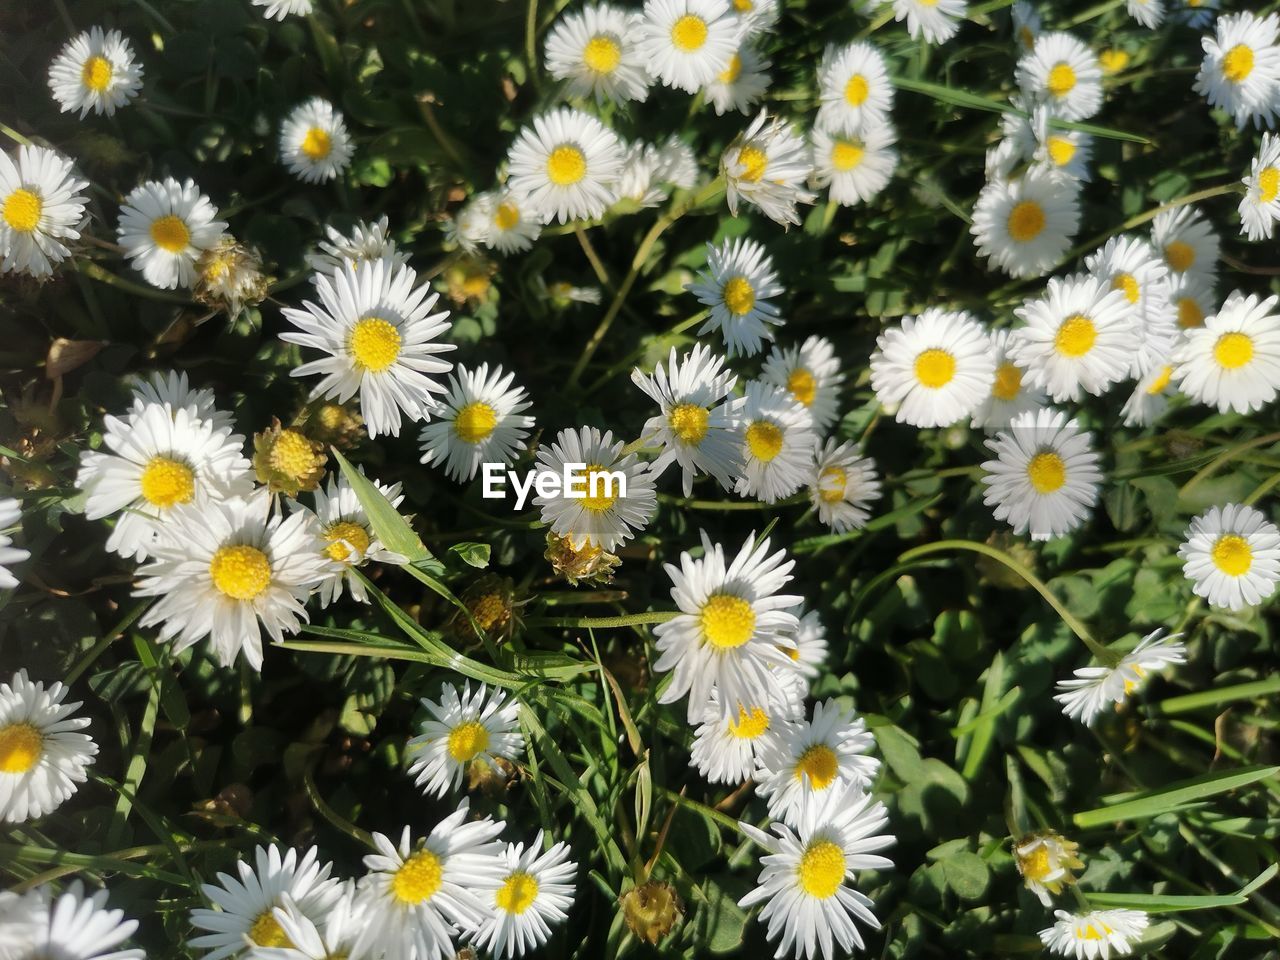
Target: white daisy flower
x,y
164,228
1087,694
934,369
842,484
1046,860
737,286
463,729
756,18
1149,13
469,227
724,749
1188,242
1241,68
806,880
566,166
1011,392
1026,25
1025,226
314,143
1232,556
766,165
228,569
365,241
1045,477
811,374
810,652
1130,264
174,388
687,43
733,632
596,52
327,937
1078,338
935,20
1191,298
10,516
1059,150
1063,73
1260,205
95,71
1233,361
855,166
41,206
1150,398
379,332
416,891
68,926
1097,935
638,182
777,443
677,163
155,459
698,423
512,226
480,420
246,904
742,84
853,88
801,764
533,892
42,753
1197,13
279,9
611,512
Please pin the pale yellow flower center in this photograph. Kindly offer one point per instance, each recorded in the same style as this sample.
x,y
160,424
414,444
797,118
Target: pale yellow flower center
x,y
165,482
1047,472
688,422
506,216
689,33
1268,184
475,422
602,54
832,483
846,155
1113,61
1180,255
1189,313
517,893
293,455
1129,284
1161,381
1076,336
731,73
803,386
566,165
21,746
819,764
727,621
343,537
857,90
375,344
764,440
739,296
267,932
240,572
1026,221
316,144
754,161
1035,865
1008,381
751,725
22,210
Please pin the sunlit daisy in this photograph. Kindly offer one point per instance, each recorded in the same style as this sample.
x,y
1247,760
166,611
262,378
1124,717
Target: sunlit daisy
x,y
164,228
279,9
737,286
469,226
364,241
41,207
1026,25
777,443
566,166
1130,264
1149,13
687,43
935,20
811,374
532,893
1232,362
10,516
742,84
596,52
1150,398
1241,68
69,926
173,387
1059,150
463,729
95,71
1063,73
1232,556
724,749
766,165
1260,205
855,166
1045,860
1188,242
314,143
853,88
480,420
1011,392
1026,225
842,485
512,225
327,937
43,756
1087,694
1097,935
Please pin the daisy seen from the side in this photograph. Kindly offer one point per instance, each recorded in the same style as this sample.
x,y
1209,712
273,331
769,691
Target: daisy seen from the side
x,y
843,485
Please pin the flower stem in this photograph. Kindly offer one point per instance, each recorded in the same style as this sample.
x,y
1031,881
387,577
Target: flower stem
x,y
605,623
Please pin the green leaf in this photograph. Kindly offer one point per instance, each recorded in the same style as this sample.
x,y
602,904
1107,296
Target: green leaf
x,y
1173,798
472,554
391,528
1218,697
966,874
1162,903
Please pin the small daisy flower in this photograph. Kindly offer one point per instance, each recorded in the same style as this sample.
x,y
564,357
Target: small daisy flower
x,y
934,369
856,166
1232,556
1045,861
1062,73
1097,935
733,633
687,43
853,88
469,226
95,71
41,205
737,286
512,226
935,20
480,420
1130,264
620,498
315,938
724,749
596,52
1045,477
1087,694
1188,243
379,333
1241,68
69,926
314,143
365,241
1059,150
1025,226
742,84
1149,13
10,516
1260,205
766,165
777,443
1078,338
165,226
756,18
463,729
1150,398
638,182
566,166
1191,299
811,374
1233,360
279,9
1026,25
533,892
698,423
42,753
806,880
677,163
842,485
174,389
1011,392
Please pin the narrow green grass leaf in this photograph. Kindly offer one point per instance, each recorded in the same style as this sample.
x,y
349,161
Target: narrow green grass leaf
x,y
1218,697
1173,798
392,529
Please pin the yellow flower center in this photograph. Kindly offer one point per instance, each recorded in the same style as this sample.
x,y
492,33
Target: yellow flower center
x,y
689,33
604,494
1189,313
1026,221
475,285
1232,555
739,296
1113,61
1090,931
1062,80
819,764
822,869
602,54
764,440
240,572
293,455
857,90
935,368
1035,866
468,740
1076,336
753,161
1233,350
375,344
688,422
751,725
475,422
832,483
489,610
506,216
727,621
21,745
1008,381
846,155
344,537
802,385
743,6
267,932
1129,284
1238,63
165,482
566,165
96,73
1061,150
316,144
169,233
1047,472
22,210
517,893
1268,184
1161,381
1180,255
418,878
732,71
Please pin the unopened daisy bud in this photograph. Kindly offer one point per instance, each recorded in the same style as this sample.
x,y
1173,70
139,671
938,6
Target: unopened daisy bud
x,y
492,779
1113,61
1046,860
335,425
588,563
491,604
287,461
229,277
468,281
651,910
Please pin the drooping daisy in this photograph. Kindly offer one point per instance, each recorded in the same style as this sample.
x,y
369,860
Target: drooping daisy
x,y
1011,392
41,206
1241,68
677,164
801,764
566,166
42,753
806,880
687,43
1191,299
1026,25
154,460
379,332
1130,264
698,425
935,20
619,495
328,937
639,181
10,516
1097,935
279,9
463,729
1150,398
1260,206
854,88
314,143
1232,556
766,165
1026,225
1078,338
68,926
934,369
596,52
1087,694
95,71
855,166
480,420
1149,13
842,485
1045,477
737,287
1188,242
512,225
1233,360
733,632
742,84
1063,73
811,374
1045,860
530,895
724,750
228,569
165,226
1059,150
365,241
246,903
777,443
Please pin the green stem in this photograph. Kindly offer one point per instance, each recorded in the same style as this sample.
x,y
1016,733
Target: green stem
x,y
592,257
95,272
531,41
1226,457
635,355
1261,489
604,623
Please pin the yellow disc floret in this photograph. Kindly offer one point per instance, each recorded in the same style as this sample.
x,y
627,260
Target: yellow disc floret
x,y
754,162
688,422
240,572
803,386
1047,472
566,165
1238,63
468,740
602,54
22,210
343,538
1233,350
267,932
764,440
418,878
1026,221
739,296
819,764
165,482
374,344
935,368
857,90
316,144
96,74
689,33
1062,80
727,621
749,725
21,746
822,869
1008,381
1232,555
1076,336
517,893
475,422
